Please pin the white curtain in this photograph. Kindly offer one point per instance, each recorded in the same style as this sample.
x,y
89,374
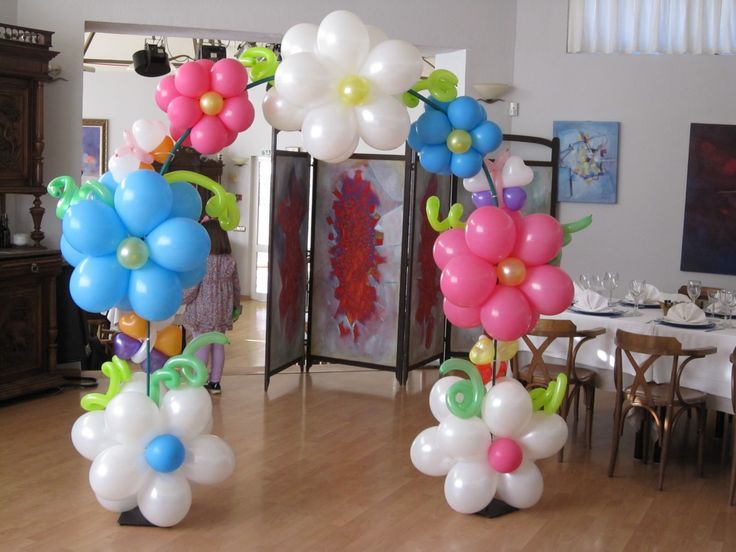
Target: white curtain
x,y
652,26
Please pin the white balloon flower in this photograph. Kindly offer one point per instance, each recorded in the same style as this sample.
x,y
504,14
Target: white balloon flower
x,y
491,455
337,83
145,455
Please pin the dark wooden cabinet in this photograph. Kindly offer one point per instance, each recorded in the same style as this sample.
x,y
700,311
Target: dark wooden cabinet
x,y
28,321
27,274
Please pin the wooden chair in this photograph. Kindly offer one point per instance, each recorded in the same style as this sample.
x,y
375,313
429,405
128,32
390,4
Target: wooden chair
x,y
732,494
655,397
540,371
702,299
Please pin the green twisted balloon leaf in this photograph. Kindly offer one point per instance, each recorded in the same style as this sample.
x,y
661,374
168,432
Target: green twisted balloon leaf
x,y
117,371
186,365
432,208
550,398
261,61
64,188
567,231
442,86
222,205
472,390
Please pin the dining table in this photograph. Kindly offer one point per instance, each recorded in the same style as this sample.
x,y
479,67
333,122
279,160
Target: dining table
x,y
711,374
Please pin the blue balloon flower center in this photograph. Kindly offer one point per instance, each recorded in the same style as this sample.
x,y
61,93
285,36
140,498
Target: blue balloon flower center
x,y
165,453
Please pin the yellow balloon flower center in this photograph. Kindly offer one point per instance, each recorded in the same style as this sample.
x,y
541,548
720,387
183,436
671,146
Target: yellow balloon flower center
x,y
132,253
354,89
459,141
211,103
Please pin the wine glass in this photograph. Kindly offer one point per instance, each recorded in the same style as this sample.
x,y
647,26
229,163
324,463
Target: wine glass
x,y
636,288
693,289
729,298
584,280
713,300
596,283
610,282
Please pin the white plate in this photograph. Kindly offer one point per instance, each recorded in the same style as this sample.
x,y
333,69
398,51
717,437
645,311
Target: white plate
x,y
680,324
605,312
645,305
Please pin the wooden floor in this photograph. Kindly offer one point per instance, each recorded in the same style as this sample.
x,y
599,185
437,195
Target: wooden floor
x,y
323,464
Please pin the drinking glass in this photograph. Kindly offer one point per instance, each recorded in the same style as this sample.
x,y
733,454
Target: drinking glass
x,y
596,283
713,300
693,289
584,280
610,282
636,288
730,303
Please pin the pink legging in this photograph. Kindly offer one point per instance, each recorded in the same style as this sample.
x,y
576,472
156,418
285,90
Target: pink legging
x,y
215,353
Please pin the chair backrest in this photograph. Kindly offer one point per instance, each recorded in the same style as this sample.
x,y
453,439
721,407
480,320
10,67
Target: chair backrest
x,y
702,298
654,347
551,330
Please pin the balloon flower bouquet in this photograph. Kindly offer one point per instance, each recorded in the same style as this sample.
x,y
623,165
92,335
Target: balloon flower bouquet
x,y
134,239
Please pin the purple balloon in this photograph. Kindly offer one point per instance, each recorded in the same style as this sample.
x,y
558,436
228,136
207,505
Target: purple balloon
x,y
158,359
482,199
125,346
514,198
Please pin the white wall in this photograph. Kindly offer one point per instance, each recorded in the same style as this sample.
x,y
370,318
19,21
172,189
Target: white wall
x,y
8,12
655,98
485,29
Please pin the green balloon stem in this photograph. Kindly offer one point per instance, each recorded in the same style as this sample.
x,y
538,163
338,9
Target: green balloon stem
x,y
258,82
172,153
494,195
429,102
117,371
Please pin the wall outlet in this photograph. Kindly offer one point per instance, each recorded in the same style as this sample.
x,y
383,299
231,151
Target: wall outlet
x,y
513,109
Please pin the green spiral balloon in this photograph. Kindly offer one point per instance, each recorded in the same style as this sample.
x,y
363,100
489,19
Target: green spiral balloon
x,y
64,188
473,391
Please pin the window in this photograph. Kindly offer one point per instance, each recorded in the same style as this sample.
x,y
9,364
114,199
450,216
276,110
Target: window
x,y
652,26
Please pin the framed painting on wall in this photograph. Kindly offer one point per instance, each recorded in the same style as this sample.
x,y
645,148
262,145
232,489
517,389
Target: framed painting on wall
x,y
94,148
588,170
709,228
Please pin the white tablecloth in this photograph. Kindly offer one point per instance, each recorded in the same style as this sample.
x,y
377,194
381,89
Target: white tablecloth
x,y
711,374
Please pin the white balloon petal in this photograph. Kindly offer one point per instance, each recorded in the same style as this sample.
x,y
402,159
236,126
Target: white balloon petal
x,y
463,439
118,505
347,153
165,499
117,472
394,66
543,436
304,81
426,455
470,486
122,165
383,123
148,133
327,129
507,408
209,460
136,384
186,411
375,35
343,40
438,397
299,38
523,487
477,183
281,114
516,173
132,418
89,434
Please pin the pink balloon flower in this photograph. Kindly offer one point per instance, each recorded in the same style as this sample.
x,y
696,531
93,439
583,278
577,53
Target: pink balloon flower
x,y
496,272
208,98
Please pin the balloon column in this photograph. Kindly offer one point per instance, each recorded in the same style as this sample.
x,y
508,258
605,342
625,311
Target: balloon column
x,y
132,343
488,439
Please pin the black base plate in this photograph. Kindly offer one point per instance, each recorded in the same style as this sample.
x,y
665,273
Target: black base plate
x,y
495,509
134,517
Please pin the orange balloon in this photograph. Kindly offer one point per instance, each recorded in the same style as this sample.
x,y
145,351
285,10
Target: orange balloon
x,y
133,325
161,152
168,340
145,166
511,271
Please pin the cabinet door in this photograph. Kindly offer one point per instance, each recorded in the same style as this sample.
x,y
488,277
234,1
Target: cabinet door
x,y
20,330
15,132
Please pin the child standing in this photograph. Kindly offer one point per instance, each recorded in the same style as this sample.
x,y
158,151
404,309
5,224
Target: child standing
x,y
214,304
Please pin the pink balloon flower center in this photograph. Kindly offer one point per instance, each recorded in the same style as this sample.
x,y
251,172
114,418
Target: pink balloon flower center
x,y
504,455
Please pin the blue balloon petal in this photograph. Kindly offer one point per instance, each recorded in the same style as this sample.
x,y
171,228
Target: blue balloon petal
x,y
415,142
487,137
143,200
98,283
433,127
435,158
187,201
124,304
93,228
109,181
465,165
154,292
179,244
466,113
71,255
442,105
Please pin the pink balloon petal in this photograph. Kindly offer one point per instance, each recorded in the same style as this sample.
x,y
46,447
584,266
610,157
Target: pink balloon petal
x,y
184,112
209,135
447,245
228,77
548,288
490,233
462,317
539,239
507,314
165,92
237,113
192,79
467,280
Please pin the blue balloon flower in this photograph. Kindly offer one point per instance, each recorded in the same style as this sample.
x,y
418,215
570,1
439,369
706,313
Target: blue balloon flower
x,y
139,254
455,141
